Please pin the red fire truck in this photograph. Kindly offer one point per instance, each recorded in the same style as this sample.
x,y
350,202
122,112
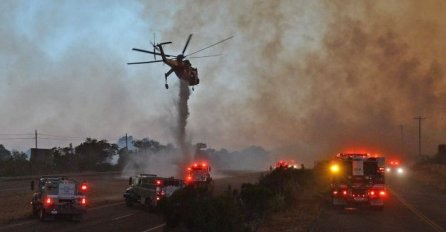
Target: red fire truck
x,y
358,179
198,172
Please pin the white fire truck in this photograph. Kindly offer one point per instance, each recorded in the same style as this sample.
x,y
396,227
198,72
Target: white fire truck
x,y
358,179
149,189
59,195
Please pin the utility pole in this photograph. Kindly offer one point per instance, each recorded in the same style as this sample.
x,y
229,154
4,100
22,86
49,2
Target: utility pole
x,y
419,118
402,139
35,137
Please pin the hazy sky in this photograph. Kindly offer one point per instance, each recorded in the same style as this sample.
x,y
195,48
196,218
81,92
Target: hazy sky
x,y
302,78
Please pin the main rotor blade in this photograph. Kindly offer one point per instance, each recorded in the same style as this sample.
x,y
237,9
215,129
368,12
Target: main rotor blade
x,y
146,62
221,41
154,53
195,57
187,43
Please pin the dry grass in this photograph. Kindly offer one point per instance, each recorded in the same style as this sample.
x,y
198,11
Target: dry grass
x,y
15,205
298,218
432,174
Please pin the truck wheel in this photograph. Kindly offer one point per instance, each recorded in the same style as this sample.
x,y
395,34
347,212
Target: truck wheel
x,y
128,202
378,208
42,215
34,211
335,204
148,205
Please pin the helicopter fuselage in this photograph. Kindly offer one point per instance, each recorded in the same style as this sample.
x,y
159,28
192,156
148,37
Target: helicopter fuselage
x,y
183,69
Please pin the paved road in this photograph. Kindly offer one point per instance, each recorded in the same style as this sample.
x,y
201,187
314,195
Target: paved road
x,y
412,206
111,217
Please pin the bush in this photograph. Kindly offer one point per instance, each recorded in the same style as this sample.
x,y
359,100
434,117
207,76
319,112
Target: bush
x,y
195,209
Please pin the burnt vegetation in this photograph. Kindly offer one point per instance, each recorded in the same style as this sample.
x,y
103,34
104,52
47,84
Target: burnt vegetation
x,y
199,208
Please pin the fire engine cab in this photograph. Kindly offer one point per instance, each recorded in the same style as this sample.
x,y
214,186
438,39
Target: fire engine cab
x,y
358,179
198,172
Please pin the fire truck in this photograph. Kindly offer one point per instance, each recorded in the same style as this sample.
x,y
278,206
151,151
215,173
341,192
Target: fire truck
x,y
288,164
394,166
198,172
358,179
149,189
59,195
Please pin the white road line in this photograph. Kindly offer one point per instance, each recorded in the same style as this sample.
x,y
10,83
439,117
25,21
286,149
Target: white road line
x,y
154,228
418,213
121,217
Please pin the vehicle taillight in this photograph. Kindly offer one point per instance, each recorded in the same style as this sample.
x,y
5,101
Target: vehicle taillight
x,y
344,192
372,193
189,178
158,182
335,192
157,198
84,187
83,201
382,193
48,201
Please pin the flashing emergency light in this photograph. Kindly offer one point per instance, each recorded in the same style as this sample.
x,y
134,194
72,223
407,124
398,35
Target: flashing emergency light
x,y
334,168
49,201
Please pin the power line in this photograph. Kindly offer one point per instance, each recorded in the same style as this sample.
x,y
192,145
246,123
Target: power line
x,y
14,138
14,134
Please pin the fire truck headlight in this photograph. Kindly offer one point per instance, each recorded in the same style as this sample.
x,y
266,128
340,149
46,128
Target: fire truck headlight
x,y
400,171
334,168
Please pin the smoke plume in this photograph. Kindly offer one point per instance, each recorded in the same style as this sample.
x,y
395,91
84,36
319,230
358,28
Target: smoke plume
x,y
183,114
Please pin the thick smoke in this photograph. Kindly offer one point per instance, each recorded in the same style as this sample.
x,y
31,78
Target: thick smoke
x,y
320,77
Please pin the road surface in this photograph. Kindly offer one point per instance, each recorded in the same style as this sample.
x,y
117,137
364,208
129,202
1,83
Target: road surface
x,y
411,206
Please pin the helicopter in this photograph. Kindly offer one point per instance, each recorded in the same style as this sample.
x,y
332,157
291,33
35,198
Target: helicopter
x,y
182,67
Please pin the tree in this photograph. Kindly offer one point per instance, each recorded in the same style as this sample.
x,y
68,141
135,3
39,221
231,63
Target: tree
x,y
64,158
148,145
92,153
4,154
